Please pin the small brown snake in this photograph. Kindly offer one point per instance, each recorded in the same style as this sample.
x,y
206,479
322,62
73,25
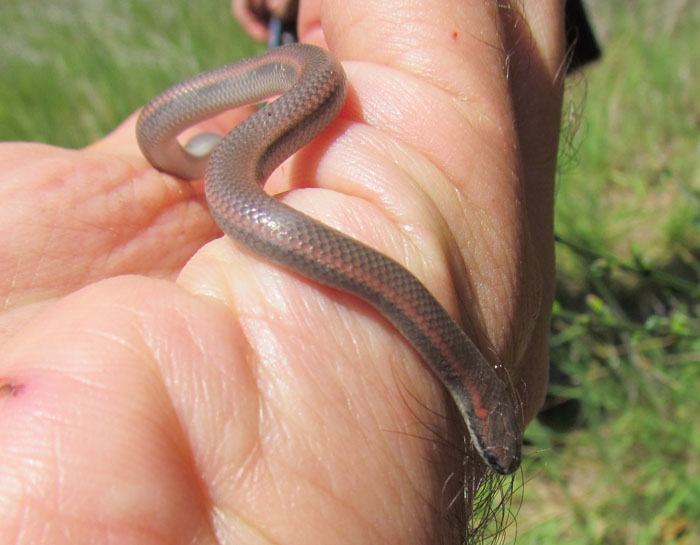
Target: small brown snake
x,y
313,86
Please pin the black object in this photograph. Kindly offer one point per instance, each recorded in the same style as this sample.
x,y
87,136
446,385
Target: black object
x,y
580,39
281,32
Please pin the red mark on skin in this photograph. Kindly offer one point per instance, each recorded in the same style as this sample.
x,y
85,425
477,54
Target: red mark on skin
x,y
9,388
454,36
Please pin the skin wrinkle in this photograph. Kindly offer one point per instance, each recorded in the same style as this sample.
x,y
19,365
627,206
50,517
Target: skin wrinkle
x,y
10,289
148,225
489,259
450,176
424,236
395,122
324,487
414,233
83,219
331,497
374,185
279,328
55,442
154,347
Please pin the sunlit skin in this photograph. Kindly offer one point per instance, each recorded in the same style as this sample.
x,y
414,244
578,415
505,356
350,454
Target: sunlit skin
x,y
211,397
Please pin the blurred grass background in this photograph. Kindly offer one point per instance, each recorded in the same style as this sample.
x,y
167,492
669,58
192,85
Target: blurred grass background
x,y
616,457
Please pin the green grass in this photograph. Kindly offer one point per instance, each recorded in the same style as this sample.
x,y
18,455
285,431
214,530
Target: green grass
x,y
633,179
73,69
619,462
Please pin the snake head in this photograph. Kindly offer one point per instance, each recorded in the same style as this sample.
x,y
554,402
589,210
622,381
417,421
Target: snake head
x,y
503,439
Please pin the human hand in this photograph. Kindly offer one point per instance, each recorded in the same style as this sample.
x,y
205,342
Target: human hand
x,y
211,396
253,15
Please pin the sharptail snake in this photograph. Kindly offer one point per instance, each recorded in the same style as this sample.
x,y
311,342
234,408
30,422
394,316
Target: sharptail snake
x,y
313,86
